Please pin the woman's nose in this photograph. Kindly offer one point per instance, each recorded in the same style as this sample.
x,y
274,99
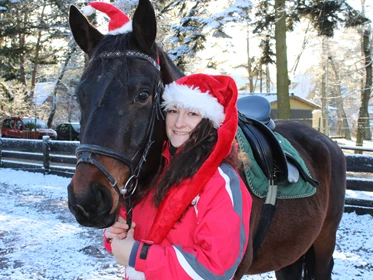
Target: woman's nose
x,y
180,121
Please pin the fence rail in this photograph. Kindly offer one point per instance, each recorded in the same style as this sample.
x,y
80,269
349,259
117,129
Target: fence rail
x,y
45,156
359,178
58,157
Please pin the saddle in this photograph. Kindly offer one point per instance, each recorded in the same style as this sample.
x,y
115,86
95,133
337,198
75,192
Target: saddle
x,y
277,165
258,128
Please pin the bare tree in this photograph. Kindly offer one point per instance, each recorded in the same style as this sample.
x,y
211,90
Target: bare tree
x,y
344,127
37,52
69,55
363,129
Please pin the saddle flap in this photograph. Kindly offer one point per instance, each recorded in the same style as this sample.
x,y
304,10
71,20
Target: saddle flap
x,y
260,148
266,148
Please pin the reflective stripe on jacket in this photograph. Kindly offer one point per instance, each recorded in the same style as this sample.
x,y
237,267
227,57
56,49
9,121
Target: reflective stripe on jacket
x,y
210,239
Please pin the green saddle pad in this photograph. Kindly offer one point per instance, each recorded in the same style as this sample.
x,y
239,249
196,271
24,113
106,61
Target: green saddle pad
x,y
258,182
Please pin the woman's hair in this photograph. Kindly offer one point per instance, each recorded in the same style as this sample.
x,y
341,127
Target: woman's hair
x,y
188,161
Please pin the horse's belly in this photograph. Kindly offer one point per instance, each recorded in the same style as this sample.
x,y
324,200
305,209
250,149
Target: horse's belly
x,y
294,228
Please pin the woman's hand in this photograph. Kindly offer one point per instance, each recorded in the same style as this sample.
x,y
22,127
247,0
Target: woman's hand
x,y
121,248
118,230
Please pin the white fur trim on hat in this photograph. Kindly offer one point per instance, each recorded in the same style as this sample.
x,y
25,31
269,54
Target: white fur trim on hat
x,y
192,98
122,30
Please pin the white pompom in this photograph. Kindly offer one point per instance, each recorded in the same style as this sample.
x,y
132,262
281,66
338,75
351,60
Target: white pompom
x,y
88,10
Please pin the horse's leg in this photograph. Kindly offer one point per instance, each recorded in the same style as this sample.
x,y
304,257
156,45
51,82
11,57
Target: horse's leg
x,y
305,267
325,242
324,248
291,272
317,262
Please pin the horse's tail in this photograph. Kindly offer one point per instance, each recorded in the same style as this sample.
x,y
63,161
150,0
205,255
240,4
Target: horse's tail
x,y
309,264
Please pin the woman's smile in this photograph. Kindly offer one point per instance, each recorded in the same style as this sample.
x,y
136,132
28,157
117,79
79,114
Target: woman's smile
x,y
179,124
181,133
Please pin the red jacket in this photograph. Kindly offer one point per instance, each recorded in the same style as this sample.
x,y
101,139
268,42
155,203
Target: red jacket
x,y
210,239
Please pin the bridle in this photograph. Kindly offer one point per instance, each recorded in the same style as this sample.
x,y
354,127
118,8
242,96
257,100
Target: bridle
x,y
85,152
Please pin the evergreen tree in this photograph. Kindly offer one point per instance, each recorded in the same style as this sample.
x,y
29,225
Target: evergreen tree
x,y
191,23
325,16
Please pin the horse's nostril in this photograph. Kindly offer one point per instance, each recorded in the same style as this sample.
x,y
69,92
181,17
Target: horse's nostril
x,y
104,200
79,209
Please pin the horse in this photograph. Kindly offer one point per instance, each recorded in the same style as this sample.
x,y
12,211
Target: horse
x,y
122,134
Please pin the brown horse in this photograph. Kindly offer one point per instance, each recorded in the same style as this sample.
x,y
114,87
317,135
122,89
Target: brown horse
x,y
122,133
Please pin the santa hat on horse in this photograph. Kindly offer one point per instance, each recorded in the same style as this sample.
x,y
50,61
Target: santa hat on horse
x,y
215,97
119,22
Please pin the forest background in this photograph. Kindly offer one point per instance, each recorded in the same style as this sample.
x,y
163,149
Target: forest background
x,y
318,50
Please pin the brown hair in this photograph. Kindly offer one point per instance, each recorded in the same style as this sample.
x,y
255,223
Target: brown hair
x,y
190,158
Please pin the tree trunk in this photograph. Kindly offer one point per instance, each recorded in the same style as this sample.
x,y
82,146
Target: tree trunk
x,y
363,129
324,89
37,53
22,43
268,80
261,78
249,65
283,101
304,45
64,68
344,128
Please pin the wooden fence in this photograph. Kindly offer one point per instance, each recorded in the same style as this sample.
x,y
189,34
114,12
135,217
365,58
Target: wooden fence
x,y
58,157
45,156
359,178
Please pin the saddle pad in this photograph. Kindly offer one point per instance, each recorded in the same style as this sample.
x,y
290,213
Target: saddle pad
x,y
258,182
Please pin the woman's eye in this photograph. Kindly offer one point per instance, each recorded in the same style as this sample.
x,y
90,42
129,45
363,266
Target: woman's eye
x,y
142,97
171,111
193,114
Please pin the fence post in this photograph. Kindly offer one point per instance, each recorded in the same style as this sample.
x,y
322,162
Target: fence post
x,y
46,156
1,150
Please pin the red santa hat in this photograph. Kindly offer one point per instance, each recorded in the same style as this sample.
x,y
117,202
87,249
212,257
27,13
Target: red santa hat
x,y
119,22
215,97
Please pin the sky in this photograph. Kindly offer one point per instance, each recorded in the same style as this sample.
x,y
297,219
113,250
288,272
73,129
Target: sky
x,y
40,239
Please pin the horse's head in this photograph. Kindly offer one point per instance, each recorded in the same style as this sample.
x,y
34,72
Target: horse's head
x,y
121,128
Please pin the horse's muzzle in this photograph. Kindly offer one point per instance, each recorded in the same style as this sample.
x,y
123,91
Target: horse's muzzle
x,y
92,208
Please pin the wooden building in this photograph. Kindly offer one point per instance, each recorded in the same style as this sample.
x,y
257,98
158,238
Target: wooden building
x,y
300,108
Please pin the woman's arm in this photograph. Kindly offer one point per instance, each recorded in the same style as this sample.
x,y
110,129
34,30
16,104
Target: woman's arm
x,y
220,238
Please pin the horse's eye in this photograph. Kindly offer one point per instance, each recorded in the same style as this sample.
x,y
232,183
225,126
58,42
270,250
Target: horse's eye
x,y
142,97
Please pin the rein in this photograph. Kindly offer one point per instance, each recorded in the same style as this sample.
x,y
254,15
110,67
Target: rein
x,y
85,152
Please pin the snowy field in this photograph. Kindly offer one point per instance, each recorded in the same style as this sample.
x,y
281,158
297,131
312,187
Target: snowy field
x,y
40,239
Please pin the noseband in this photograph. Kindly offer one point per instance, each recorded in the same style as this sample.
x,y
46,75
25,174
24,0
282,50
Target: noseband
x,y
85,152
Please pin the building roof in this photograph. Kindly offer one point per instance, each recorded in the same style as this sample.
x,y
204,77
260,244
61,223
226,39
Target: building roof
x,y
272,98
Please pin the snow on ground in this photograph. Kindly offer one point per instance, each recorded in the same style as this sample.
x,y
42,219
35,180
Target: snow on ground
x,y
40,238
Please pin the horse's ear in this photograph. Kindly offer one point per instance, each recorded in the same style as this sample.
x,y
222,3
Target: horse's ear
x,y
144,25
85,34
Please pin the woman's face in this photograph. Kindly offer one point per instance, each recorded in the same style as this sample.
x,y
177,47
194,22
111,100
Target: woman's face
x,y
179,124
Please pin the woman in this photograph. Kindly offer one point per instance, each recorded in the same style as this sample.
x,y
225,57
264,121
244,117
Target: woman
x,y
194,224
